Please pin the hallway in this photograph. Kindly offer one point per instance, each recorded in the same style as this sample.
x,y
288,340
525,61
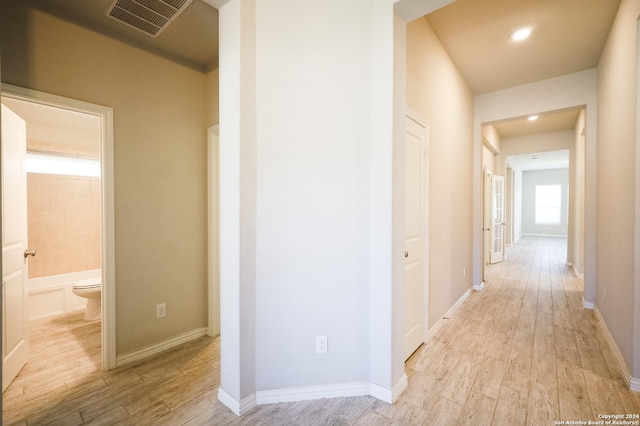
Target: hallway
x,y
522,351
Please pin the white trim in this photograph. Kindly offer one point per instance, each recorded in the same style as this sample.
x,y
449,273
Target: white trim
x,y
527,234
156,348
634,384
626,374
213,222
306,393
384,394
479,287
588,305
448,315
398,388
576,273
108,210
238,408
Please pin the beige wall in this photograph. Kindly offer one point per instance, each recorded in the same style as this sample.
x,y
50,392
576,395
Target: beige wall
x,y
160,121
439,95
616,174
64,224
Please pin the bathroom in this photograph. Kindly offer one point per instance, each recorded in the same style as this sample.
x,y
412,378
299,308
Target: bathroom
x,y
63,219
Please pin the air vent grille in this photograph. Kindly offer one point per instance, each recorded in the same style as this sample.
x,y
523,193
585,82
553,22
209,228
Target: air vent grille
x,y
148,16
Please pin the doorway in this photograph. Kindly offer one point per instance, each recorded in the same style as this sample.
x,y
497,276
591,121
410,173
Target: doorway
x,y
103,117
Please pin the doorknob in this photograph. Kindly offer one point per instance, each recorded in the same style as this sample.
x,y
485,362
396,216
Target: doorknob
x,y
28,253
406,253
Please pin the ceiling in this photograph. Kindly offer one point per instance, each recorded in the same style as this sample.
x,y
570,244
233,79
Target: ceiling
x,y
540,160
191,39
568,36
546,122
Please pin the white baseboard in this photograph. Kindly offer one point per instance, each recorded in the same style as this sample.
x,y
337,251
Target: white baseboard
x,y
575,270
635,384
479,287
389,396
237,407
616,351
305,393
399,387
334,390
588,305
452,310
156,348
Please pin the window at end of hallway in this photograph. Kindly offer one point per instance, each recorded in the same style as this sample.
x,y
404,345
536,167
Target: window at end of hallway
x,y
548,204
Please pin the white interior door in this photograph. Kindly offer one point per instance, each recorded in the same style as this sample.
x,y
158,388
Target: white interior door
x,y
15,326
497,219
415,235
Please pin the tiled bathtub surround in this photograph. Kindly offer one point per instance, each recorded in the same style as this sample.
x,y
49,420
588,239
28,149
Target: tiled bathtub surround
x,y
64,224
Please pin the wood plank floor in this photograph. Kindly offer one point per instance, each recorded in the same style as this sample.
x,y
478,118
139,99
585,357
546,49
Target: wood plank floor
x,y
521,352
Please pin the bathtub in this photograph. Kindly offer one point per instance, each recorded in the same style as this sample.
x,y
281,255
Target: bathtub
x,y
52,295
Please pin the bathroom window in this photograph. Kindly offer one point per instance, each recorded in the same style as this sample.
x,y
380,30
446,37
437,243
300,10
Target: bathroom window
x,y
59,165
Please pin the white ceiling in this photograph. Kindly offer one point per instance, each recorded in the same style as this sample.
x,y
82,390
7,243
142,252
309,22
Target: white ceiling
x,y
57,125
540,160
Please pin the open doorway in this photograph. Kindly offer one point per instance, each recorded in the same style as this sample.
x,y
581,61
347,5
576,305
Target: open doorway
x,y
68,154
542,157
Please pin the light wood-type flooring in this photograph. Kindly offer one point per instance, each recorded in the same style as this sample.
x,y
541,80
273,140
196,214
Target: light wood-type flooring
x,y
521,352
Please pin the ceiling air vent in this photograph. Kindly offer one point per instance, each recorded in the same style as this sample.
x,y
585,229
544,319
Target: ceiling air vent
x,y
149,16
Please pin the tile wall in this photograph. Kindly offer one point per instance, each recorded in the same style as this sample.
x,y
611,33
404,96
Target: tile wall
x,y
64,224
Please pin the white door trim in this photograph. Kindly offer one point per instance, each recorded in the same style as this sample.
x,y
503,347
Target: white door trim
x,y
213,218
108,216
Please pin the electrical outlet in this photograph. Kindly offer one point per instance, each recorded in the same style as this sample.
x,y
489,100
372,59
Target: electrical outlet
x,y
161,310
321,344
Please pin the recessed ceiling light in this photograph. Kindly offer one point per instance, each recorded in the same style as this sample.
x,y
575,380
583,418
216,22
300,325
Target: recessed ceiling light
x,y
532,118
521,34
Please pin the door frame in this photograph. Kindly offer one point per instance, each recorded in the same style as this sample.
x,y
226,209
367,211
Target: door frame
x,y
213,219
412,115
105,114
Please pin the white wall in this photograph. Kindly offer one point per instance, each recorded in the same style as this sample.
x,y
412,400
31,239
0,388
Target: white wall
x,y
532,178
439,95
312,192
618,253
309,190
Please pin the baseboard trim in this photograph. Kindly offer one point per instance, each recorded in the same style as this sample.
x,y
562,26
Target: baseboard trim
x,y
238,407
399,387
306,393
626,374
479,287
588,305
156,348
634,384
575,271
333,390
433,331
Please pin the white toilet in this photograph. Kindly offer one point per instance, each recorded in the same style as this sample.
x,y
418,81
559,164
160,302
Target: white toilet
x,y
91,289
